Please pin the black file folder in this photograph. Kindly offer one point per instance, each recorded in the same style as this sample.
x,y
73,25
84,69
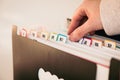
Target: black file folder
x,y
30,55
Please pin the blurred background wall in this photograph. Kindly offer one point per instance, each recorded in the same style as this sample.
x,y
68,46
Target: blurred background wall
x,y
50,13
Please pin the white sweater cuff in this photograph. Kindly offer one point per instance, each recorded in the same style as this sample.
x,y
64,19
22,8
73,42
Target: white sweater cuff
x,y
110,16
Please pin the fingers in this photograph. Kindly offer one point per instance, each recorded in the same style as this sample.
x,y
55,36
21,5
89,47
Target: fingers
x,y
76,20
80,31
74,24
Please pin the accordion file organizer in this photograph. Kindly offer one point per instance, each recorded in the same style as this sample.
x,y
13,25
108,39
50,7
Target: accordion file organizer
x,y
66,61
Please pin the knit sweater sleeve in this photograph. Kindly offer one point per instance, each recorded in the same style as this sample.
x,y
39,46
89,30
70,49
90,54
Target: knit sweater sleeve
x,y
110,16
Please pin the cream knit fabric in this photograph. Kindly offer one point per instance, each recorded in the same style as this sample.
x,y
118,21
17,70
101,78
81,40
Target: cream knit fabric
x,y
110,16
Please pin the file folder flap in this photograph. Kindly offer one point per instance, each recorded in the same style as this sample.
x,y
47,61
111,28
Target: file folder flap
x,y
30,55
114,73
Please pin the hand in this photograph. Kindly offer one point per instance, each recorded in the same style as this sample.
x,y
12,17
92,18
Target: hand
x,y
85,20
